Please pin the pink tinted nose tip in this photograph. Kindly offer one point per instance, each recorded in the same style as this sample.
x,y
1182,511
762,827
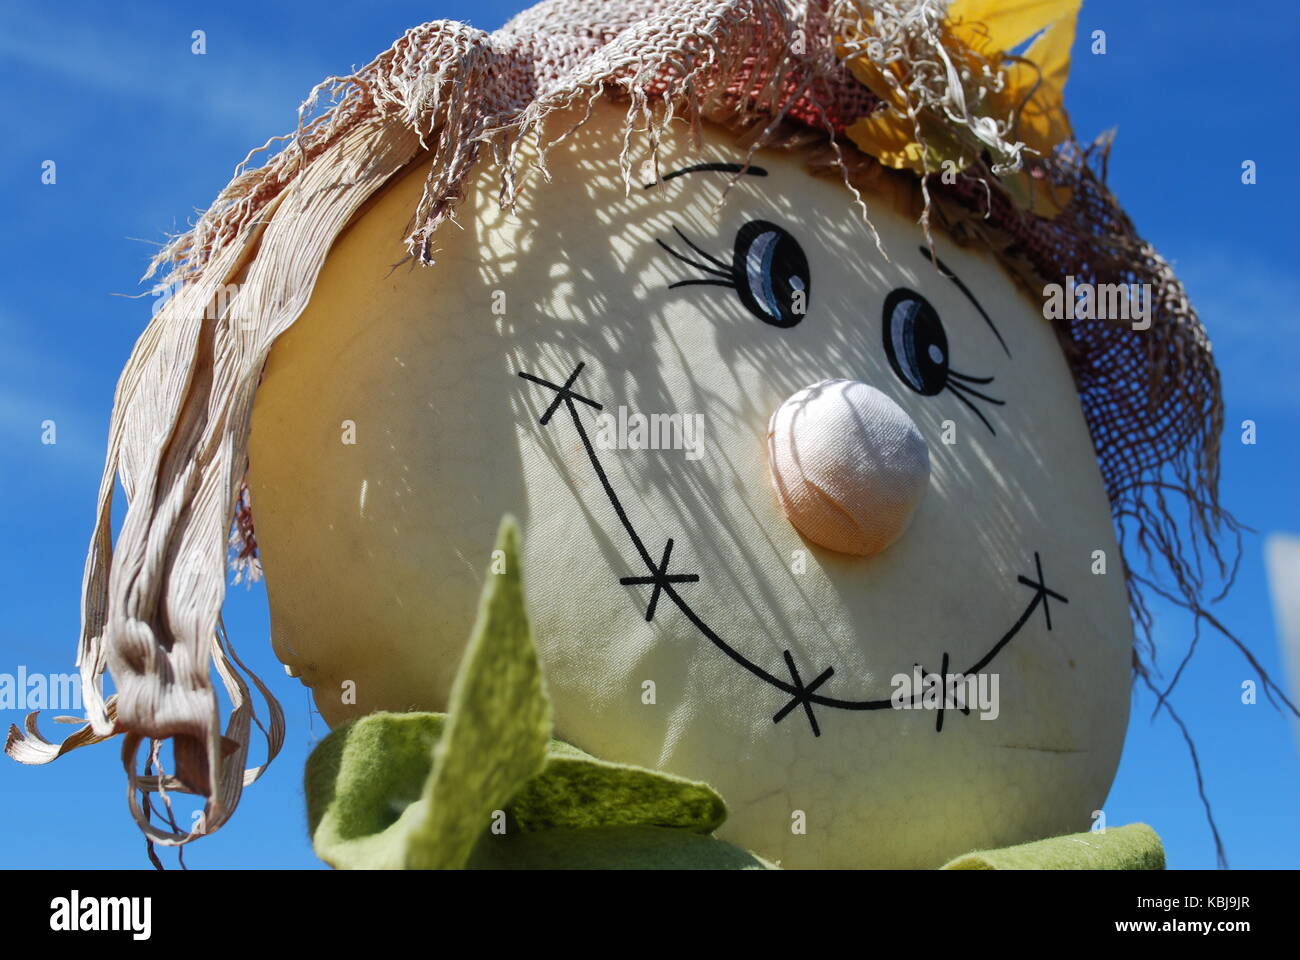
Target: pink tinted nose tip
x,y
848,464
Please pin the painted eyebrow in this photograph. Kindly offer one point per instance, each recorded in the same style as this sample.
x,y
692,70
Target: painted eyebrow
x,y
750,170
947,272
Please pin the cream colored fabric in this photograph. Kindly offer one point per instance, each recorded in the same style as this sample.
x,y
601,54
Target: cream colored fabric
x,y
373,549
848,465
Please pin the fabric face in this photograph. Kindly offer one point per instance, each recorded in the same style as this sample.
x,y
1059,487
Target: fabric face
x,y
684,623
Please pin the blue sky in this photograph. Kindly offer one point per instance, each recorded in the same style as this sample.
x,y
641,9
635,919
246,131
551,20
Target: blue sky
x,y
144,133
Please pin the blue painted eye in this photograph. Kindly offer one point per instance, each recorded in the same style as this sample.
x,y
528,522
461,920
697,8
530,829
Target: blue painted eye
x,y
915,342
770,274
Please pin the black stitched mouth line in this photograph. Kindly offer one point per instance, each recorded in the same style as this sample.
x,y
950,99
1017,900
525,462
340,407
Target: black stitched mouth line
x,y
657,575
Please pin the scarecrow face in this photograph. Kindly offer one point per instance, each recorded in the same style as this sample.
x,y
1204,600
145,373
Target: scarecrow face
x,y
767,480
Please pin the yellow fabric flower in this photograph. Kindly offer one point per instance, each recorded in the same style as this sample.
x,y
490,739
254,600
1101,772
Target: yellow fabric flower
x,y
975,33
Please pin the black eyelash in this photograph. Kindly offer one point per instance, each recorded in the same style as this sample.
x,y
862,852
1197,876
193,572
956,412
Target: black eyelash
x,y
957,386
719,269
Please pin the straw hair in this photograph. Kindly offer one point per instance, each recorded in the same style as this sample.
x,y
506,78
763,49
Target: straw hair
x,y
441,96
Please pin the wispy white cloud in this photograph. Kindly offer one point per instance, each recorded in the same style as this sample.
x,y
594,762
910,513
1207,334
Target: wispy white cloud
x,y
242,89
1251,308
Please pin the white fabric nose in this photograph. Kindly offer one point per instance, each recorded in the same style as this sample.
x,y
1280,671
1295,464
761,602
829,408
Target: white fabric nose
x,y
848,464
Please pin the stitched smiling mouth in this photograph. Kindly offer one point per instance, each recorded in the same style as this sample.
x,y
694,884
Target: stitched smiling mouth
x,y
663,584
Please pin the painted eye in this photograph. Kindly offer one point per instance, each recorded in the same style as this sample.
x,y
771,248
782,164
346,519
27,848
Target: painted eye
x,y
770,273
915,342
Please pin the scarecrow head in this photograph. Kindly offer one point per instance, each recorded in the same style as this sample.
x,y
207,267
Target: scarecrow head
x,y
831,387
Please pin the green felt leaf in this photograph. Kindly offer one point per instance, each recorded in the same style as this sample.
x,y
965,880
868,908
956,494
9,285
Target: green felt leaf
x,y
611,848
579,790
417,790
1133,847
364,784
498,725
